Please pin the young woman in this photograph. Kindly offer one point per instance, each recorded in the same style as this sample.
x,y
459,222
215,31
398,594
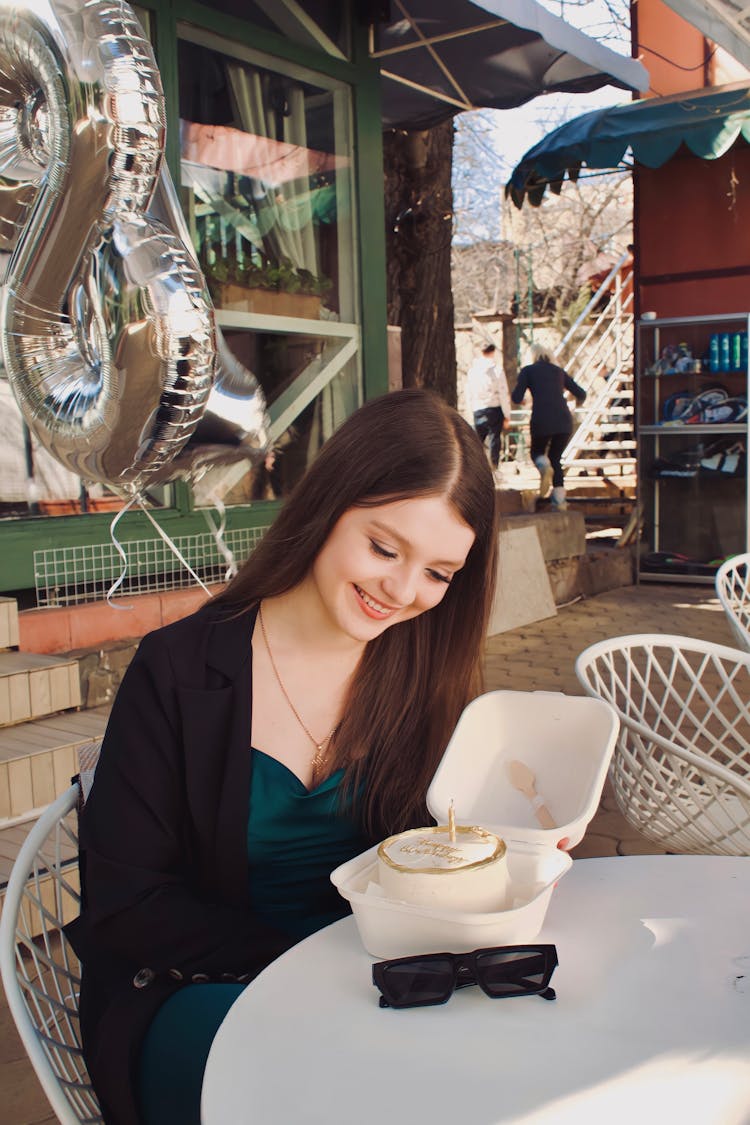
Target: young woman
x,y
551,421
292,722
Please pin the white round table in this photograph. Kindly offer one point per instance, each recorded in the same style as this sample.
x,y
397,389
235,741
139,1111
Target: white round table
x,y
651,1022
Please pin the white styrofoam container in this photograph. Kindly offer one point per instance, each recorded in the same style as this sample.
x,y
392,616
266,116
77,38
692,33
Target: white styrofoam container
x,y
397,929
568,742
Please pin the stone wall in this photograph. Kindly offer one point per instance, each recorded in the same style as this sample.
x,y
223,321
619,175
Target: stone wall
x,y
575,568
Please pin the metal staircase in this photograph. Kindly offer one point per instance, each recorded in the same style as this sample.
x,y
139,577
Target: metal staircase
x,y
600,457
599,461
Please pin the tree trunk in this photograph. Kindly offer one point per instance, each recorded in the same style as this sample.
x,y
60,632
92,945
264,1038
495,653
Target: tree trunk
x,y
419,226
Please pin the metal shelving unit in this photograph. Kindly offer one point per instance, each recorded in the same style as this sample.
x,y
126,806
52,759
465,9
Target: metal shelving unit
x,y
692,440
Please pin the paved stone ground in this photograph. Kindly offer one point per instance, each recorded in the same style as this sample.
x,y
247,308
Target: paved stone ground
x,y
541,656
533,657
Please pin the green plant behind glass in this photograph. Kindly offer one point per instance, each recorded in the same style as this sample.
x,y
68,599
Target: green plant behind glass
x,y
222,267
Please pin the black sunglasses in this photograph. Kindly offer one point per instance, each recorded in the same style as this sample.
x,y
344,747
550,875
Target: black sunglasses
x,y
430,978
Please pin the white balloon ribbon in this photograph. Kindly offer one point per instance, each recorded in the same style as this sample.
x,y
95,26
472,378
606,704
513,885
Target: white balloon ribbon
x,y
131,503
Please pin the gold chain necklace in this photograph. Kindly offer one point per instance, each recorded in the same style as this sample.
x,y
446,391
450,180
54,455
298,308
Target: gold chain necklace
x,y
320,747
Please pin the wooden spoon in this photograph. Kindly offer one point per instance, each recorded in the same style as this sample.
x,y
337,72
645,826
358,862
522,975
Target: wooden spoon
x,y
522,778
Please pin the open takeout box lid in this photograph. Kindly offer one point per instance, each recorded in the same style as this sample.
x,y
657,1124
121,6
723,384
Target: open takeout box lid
x,y
566,740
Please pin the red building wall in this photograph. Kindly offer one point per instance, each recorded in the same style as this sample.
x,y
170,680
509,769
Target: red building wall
x,y
692,216
675,53
693,234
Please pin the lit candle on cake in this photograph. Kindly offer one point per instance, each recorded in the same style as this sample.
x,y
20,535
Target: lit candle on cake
x,y
449,867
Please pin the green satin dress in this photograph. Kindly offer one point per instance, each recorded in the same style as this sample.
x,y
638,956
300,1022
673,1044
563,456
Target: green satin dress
x,y
295,838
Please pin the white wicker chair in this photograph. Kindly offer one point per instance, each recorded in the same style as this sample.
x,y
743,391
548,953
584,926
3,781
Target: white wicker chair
x,y
681,767
733,590
40,972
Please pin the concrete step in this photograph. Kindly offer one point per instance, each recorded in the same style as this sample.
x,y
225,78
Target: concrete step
x,y
8,623
523,480
614,463
32,686
615,446
38,759
600,485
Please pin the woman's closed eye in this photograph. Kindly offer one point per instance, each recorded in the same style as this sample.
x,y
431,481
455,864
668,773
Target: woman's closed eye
x,y
385,553
438,577
381,551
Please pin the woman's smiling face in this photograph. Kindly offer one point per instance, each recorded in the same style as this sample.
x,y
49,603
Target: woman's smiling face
x,y
387,564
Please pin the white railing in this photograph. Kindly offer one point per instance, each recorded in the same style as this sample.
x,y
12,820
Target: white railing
x,y
602,363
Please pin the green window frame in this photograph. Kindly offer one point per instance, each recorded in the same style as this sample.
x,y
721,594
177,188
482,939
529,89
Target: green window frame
x,y
22,536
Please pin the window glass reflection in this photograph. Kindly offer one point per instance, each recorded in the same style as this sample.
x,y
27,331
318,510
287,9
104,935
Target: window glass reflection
x,y
266,186
267,191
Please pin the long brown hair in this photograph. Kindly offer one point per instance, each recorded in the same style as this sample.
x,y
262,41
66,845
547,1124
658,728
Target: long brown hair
x,y
413,680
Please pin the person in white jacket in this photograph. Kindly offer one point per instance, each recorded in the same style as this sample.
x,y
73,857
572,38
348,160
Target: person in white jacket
x,y
488,399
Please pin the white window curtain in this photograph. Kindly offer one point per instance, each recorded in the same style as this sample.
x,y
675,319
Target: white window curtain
x,y
284,209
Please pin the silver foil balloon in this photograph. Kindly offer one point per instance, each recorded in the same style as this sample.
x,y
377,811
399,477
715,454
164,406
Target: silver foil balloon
x,y
108,335
234,425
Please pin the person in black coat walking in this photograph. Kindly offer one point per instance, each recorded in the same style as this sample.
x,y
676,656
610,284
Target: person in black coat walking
x,y
551,421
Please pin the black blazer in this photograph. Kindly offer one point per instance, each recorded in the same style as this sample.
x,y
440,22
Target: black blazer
x,y
163,844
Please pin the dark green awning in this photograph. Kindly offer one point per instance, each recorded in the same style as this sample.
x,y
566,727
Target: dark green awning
x,y
707,121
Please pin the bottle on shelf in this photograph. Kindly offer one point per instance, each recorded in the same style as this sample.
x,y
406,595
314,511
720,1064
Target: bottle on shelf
x,y
736,351
714,353
725,352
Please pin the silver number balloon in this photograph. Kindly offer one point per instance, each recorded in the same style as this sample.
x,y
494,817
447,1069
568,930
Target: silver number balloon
x,y
108,335
234,425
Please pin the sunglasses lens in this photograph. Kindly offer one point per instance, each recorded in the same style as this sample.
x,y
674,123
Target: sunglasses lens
x,y
512,972
418,982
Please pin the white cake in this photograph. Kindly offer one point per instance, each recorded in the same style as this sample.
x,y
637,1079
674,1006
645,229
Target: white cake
x,y
449,868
